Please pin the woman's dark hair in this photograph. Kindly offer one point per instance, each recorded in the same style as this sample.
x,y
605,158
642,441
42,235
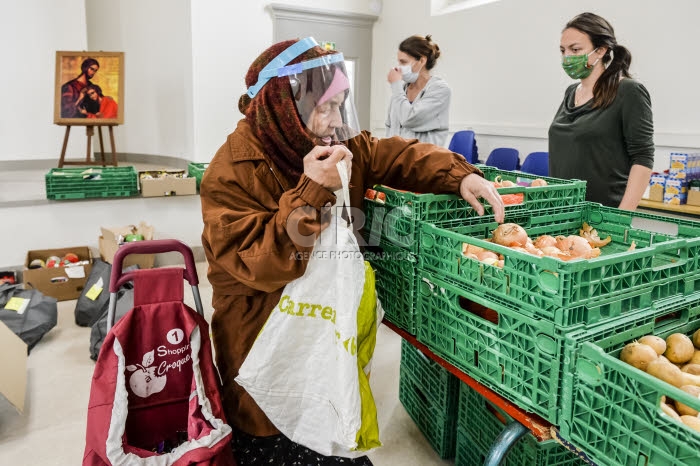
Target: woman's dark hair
x,y
87,63
419,46
617,58
91,106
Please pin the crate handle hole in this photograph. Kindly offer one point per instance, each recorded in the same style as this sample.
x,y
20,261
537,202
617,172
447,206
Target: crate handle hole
x,y
478,310
421,395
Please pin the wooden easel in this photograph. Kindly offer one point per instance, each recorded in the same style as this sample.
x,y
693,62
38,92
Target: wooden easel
x,y
90,132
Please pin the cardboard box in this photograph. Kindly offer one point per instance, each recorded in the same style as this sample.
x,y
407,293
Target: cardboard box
x,y
113,237
675,191
656,193
13,367
693,198
167,183
62,283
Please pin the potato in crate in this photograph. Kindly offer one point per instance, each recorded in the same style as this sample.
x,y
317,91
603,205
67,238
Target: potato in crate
x,y
522,358
622,415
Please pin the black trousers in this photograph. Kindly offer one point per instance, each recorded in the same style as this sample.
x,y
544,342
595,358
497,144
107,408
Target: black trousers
x,y
278,450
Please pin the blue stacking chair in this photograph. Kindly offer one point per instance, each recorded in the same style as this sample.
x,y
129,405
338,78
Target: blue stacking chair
x,y
504,158
536,163
463,142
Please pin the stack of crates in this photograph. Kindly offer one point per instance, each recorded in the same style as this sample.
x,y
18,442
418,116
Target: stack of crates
x,y
430,394
196,170
392,230
514,329
84,183
479,424
613,409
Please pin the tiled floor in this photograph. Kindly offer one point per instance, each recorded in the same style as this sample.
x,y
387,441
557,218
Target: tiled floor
x,y
52,429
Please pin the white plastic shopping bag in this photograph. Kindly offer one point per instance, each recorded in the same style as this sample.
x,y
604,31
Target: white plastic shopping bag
x,y
303,368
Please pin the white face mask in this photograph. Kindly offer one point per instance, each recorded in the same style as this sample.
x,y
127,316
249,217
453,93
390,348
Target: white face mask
x,y
407,74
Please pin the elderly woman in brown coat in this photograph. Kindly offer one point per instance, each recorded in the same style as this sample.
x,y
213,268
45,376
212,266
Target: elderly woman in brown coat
x,y
266,188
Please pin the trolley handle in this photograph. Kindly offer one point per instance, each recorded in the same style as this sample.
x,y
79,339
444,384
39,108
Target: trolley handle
x,y
151,247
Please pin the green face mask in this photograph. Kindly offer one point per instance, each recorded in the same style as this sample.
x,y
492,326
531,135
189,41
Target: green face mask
x,y
576,66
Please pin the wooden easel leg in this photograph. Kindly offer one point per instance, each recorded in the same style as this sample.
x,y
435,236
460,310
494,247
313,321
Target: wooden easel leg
x,y
114,151
90,132
102,146
63,149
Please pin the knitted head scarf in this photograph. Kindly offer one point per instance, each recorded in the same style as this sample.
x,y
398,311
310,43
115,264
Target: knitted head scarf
x,y
273,116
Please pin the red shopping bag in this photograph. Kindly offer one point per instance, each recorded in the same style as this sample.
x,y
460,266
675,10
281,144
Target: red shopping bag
x,y
155,391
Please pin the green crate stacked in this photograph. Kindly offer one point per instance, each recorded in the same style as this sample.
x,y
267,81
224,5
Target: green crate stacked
x,y
522,358
196,170
430,394
396,284
480,422
396,221
614,412
577,292
393,227
83,183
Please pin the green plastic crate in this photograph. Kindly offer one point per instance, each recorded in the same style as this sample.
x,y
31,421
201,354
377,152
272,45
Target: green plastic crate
x,y
82,183
437,382
522,358
396,222
614,409
429,393
480,422
196,170
578,292
396,281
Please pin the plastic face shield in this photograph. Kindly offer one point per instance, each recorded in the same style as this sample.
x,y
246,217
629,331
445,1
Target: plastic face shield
x,y
321,92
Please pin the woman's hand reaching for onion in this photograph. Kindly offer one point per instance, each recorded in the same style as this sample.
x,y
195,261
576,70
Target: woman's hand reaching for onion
x,y
474,187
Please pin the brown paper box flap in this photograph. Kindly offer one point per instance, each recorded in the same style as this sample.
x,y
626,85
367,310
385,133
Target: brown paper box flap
x,y
13,367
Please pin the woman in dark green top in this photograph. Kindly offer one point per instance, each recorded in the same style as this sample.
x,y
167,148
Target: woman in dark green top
x,y
603,131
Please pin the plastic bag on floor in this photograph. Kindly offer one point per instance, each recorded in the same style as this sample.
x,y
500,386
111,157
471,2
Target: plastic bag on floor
x,y
98,332
28,313
94,299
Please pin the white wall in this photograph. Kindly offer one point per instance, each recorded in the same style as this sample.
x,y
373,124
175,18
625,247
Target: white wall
x,y
502,62
31,31
155,37
184,67
68,224
226,37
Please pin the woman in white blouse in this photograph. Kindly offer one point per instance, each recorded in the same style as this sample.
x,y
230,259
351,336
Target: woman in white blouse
x,y
420,102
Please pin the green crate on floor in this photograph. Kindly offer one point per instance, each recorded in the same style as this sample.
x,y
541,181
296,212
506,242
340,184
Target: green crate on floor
x,y
396,281
480,422
663,265
522,358
82,183
429,393
437,382
196,170
396,221
614,410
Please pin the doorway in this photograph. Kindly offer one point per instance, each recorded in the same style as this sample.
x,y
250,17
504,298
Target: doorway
x,y
352,35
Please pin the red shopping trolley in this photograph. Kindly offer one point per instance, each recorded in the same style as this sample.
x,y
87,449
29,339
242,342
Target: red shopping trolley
x,y
155,391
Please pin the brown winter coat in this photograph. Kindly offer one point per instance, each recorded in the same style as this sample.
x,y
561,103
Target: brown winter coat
x,y
246,206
